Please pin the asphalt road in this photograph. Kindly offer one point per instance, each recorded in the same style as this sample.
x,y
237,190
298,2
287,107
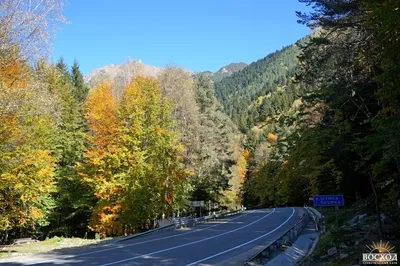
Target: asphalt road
x,y
223,242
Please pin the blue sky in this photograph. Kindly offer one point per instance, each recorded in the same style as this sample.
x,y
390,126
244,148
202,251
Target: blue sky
x,y
197,35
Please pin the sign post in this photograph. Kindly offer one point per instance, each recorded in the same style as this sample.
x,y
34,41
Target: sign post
x,y
196,204
329,200
336,213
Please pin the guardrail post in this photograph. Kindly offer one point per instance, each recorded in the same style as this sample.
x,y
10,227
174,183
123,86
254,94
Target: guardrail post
x,y
272,247
318,218
291,234
265,253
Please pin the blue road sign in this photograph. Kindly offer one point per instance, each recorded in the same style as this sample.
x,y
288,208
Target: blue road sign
x,y
328,200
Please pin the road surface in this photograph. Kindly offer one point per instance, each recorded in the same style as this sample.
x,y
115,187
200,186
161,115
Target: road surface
x,y
230,241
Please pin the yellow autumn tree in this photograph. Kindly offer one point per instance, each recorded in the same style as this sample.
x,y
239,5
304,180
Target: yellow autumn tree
x,y
100,113
133,162
27,126
101,160
154,167
14,72
233,196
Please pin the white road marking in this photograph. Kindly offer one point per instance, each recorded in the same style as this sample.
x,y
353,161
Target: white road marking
x,y
139,243
244,244
190,243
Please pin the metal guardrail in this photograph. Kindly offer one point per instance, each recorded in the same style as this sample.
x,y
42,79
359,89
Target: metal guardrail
x,y
182,222
187,221
285,238
165,227
318,218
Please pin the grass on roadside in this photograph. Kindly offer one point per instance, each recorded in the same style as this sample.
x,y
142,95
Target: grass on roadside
x,y
43,246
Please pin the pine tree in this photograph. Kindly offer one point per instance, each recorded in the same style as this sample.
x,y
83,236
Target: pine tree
x,y
63,68
72,195
215,155
80,89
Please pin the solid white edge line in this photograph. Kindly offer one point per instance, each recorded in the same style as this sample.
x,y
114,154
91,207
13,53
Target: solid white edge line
x,y
143,242
190,243
244,244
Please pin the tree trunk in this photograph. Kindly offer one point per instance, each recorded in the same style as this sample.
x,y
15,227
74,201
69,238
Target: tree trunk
x,y
376,200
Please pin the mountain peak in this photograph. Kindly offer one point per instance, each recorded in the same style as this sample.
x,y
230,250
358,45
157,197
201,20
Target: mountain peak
x,y
228,70
127,70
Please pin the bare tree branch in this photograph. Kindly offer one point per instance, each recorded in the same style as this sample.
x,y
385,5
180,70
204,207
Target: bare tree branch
x,y
29,25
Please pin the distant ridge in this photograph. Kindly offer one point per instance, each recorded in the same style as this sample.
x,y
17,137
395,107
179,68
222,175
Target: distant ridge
x,y
228,70
121,73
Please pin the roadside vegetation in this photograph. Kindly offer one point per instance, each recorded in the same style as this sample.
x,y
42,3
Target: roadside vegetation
x,y
344,244
318,117
45,246
111,159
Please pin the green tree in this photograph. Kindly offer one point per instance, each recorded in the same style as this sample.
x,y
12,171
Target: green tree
x,y
216,135
80,91
350,59
63,69
73,196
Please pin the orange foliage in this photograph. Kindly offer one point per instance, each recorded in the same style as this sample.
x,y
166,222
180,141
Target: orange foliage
x,y
100,112
272,138
14,72
132,156
247,154
105,220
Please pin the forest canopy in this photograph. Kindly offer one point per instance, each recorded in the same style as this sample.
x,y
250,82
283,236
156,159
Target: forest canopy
x,y
317,117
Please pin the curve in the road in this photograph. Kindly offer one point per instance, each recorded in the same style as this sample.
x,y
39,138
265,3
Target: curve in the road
x,y
149,241
227,242
244,244
194,242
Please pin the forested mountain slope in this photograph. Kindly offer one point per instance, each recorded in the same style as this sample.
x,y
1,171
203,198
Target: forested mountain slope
x,y
320,117
244,93
330,124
